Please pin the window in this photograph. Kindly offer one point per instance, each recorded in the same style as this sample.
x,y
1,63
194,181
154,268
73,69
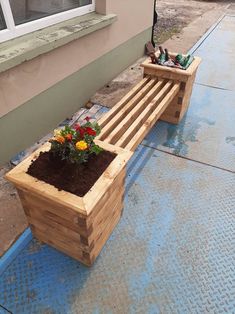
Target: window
x,y
18,17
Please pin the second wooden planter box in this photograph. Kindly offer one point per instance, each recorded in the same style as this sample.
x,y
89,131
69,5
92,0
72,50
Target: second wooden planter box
x,y
77,226
179,105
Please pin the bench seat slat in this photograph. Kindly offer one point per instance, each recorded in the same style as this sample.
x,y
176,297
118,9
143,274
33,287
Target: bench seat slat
x,y
110,124
127,119
139,121
109,115
148,124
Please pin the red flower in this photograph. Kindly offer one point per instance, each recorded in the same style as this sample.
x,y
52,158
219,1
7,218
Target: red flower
x,y
90,131
87,119
77,127
80,129
82,132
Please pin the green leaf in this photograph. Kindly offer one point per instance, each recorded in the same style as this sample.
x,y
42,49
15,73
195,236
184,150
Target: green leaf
x,y
96,149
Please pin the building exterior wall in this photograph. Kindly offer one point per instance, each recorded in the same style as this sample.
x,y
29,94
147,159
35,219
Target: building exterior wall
x,y
55,84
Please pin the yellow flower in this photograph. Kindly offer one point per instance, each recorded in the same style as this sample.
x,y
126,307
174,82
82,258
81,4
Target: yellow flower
x,y
81,145
57,132
60,139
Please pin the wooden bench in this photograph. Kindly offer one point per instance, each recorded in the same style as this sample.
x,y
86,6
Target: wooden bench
x,y
128,122
164,93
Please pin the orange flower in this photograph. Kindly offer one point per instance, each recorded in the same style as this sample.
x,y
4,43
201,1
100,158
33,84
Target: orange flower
x,y
81,145
60,139
69,137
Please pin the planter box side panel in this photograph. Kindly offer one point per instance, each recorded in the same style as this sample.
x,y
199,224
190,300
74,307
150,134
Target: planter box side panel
x,y
188,94
62,228
106,230
178,107
162,74
110,194
35,206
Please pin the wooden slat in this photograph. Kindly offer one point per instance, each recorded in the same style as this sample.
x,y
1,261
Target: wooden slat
x,y
169,118
111,194
38,202
105,210
130,132
35,206
140,134
58,232
73,248
76,253
104,237
36,212
176,112
167,70
101,228
109,115
133,114
108,127
188,92
188,72
55,236
44,224
44,214
172,110
96,203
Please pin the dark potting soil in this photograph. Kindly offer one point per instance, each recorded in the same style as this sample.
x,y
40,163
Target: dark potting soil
x,y
76,179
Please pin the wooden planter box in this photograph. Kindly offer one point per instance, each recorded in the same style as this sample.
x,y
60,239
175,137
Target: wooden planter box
x,y
77,226
179,105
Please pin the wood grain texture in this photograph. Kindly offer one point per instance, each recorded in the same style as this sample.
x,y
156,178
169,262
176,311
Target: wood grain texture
x,y
144,129
80,226
77,226
143,116
174,114
109,115
128,118
133,123
117,118
181,73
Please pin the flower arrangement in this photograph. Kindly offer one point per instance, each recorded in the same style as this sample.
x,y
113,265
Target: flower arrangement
x,y
76,144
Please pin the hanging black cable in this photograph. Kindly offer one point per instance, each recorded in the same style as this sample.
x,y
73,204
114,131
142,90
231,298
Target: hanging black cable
x,y
155,16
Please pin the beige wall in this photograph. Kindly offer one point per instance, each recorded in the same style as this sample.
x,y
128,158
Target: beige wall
x,y
22,83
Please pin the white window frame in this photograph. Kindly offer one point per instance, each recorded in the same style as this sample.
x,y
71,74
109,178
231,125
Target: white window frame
x,y
13,31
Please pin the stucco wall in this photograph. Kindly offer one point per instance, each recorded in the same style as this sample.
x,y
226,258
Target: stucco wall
x,y
23,82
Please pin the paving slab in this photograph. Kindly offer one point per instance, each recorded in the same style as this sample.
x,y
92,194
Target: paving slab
x,y
3,311
172,252
217,53
205,134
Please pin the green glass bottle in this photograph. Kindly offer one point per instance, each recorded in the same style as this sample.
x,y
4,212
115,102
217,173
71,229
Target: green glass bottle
x,y
179,59
166,55
162,57
184,62
188,60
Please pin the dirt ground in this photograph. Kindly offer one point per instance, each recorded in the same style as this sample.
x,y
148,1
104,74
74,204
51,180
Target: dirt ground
x,y
12,218
180,24
173,16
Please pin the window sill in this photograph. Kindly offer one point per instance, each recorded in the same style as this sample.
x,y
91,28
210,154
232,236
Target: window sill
x,y
27,47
